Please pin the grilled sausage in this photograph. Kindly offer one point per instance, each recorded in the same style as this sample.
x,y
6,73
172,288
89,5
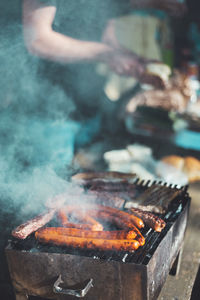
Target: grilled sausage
x,y
112,211
111,219
150,219
25,229
120,218
122,214
89,243
62,217
81,226
111,186
115,176
94,225
117,234
119,222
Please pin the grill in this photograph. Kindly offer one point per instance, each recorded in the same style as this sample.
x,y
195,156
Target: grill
x,y
53,272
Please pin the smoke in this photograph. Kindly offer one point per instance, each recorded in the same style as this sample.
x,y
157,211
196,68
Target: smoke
x,y
36,133
37,136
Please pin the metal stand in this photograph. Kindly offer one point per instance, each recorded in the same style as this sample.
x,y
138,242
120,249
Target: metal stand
x,y
176,265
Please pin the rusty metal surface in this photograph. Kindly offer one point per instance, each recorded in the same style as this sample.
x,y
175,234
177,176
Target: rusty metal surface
x,y
140,277
180,287
166,253
35,274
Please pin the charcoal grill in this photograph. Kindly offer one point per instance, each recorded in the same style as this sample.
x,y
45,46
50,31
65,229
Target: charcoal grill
x,y
53,272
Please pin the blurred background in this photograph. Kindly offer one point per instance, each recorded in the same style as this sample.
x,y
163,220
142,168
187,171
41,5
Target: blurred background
x,y
55,123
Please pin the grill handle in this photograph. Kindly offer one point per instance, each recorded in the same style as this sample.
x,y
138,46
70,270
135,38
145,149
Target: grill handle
x,y
79,293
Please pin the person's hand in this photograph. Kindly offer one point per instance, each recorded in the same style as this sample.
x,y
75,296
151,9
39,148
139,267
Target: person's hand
x,y
109,35
125,63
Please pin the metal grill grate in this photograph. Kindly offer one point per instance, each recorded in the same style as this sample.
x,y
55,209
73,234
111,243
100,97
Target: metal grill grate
x,y
143,254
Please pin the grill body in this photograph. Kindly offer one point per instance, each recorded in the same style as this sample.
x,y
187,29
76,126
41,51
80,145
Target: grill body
x,y
123,276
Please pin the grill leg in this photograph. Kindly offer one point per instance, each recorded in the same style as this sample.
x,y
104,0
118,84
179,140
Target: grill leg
x,y
20,296
176,265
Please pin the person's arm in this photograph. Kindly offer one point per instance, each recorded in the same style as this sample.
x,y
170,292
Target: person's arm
x,y
41,40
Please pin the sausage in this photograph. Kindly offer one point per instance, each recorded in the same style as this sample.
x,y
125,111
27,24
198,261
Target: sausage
x,y
117,234
81,226
106,217
150,219
94,225
122,214
111,176
89,243
89,220
62,217
113,211
111,186
25,229
120,218
119,222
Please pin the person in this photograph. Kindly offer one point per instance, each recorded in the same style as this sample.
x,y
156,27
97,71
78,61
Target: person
x,y
75,35
70,38
67,36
